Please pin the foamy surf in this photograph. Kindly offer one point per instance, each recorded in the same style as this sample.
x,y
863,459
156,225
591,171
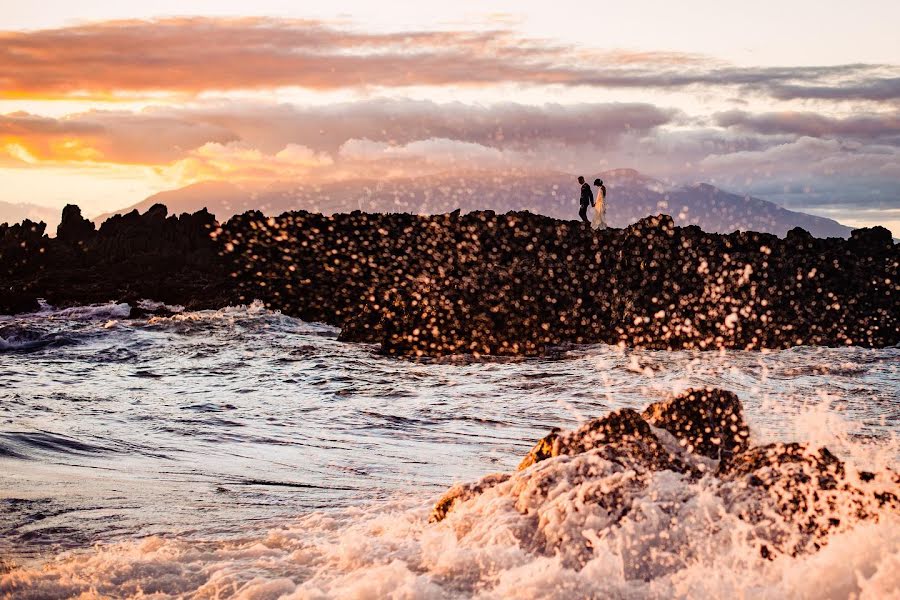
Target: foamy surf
x,y
240,453
392,552
680,538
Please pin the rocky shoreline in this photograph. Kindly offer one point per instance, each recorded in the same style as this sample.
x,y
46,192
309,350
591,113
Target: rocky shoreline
x,y
480,283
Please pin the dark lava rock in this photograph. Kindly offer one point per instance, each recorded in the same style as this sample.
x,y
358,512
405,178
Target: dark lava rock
x,y
798,234
22,253
171,259
480,283
14,301
806,486
775,455
623,436
709,422
794,496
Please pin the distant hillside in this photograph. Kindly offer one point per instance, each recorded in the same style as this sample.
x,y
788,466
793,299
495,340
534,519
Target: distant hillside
x,y
18,212
631,196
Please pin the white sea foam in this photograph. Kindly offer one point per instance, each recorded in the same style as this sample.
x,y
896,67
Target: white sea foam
x,y
391,551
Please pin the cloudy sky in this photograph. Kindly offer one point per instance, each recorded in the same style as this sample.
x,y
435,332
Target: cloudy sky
x,y
103,103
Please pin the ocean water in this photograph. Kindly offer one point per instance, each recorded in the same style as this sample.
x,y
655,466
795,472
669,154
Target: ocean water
x,y
241,453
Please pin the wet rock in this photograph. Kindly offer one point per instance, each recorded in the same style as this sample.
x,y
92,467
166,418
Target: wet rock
x,y
461,492
709,422
790,497
625,432
543,450
623,429
622,437
821,461
805,486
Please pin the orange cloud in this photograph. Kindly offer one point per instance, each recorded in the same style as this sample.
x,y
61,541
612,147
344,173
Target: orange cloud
x,y
104,136
191,55
188,56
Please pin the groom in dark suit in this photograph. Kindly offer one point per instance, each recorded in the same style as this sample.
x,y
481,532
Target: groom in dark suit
x,y
587,197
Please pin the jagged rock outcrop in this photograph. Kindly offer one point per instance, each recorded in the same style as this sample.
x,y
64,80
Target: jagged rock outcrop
x,y
131,257
708,422
478,283
73,228
790,497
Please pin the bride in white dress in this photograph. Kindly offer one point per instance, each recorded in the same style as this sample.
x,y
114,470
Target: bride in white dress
x,y
599,219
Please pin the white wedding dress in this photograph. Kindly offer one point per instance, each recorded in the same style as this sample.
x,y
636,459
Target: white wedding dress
x,y
598,221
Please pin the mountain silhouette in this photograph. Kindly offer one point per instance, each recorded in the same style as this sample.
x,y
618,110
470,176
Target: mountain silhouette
x,y
630,196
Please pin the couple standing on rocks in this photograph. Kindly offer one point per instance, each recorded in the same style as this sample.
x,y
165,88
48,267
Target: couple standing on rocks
x,y
587,197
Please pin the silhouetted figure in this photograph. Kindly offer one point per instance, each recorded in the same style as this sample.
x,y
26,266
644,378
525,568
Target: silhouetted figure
x,y
599,220
587,198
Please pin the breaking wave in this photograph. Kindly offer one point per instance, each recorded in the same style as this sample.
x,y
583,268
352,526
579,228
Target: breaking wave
x,y
680,538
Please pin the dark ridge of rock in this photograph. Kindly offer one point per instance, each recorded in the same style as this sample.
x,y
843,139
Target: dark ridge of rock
x,y
480,283
709,422
794,496
520,284
798,235
73,228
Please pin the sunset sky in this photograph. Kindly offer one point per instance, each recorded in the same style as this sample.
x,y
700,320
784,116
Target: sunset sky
x,y
103,103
